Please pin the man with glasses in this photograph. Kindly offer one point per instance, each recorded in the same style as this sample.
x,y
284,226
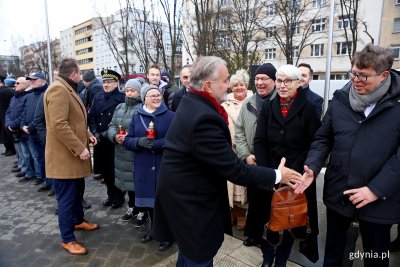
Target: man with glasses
x,y
245,128
305,79
100,116
185,79
361,133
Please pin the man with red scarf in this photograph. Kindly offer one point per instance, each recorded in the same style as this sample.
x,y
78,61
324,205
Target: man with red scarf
x,y
191,205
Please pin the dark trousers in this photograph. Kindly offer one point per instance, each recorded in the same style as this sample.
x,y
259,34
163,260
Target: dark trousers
x,y
69,193
279,253
131,199
183,261
103,161
375,239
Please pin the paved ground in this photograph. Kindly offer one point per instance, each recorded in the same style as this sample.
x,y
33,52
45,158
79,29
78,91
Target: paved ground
x,y
29,234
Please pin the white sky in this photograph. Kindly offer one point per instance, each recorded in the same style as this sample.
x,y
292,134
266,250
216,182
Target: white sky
x,y
23,21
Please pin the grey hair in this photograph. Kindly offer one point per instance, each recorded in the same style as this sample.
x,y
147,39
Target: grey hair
x,y
203,69
240,76
379,58
289,71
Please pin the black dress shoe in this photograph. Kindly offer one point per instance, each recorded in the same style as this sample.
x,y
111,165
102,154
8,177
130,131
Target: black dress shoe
x,y
51,193
44,188
249,242
164,245
117,203
9,153
20,174
39,181
146,238
16,169
107,202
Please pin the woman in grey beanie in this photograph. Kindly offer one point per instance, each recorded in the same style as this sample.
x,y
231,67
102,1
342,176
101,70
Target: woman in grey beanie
x,y
124,158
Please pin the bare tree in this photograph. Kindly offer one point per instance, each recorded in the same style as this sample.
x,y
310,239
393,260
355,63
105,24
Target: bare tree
x,y
239,33
293,25
116,33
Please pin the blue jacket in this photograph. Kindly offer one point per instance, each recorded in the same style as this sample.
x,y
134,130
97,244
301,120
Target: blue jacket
x,y
40,120
30,108
15,113
102,110
147,163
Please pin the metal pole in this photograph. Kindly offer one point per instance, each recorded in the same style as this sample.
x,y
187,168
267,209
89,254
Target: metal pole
x,y
329,57
48,43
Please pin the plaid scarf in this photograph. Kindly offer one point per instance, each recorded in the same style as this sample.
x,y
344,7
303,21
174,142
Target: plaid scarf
x,y
285,104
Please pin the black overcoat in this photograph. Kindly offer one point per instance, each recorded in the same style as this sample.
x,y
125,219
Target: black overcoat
x,y
192,201
288,137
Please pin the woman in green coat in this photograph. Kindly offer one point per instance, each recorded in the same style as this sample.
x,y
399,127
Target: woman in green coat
x,y
118,129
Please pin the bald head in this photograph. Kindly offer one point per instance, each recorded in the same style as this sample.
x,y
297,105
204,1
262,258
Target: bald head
x,y
21,84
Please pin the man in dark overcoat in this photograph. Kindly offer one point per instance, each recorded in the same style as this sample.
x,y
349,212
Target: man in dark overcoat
x,y
100,116
6,93
191,205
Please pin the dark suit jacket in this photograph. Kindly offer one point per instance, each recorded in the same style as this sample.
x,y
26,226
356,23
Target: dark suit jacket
x,y
316,99
178,97
192,202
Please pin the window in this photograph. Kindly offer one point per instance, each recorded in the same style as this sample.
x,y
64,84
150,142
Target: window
x,y
318,25
295,51
345,22
270,31
317,50
396,51
85,61
223,22
224,2
83,40
270,10
297,28
318,3
343,48
338,76
270,53
222,39
396,25
141,69
167,47
84,51
82,30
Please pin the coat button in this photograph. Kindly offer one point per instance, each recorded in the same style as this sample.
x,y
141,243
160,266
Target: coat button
x,y
282,131
109,114
359,121
101,114
100,123
153,168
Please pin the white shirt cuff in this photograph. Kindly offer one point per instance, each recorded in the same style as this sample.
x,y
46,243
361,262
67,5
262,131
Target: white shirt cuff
x,y
278,176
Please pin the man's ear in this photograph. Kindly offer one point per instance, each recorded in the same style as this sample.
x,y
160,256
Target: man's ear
x,y
208,87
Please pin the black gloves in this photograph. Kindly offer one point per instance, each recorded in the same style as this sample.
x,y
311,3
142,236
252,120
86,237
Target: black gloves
x,y
146,143
101,137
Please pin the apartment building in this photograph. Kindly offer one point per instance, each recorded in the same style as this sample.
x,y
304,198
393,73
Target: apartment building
x,y
390,29
83,44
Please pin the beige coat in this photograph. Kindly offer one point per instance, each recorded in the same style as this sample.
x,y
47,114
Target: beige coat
x,y
237,194
67,135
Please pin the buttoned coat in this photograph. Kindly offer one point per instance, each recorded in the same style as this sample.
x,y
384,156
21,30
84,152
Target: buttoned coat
x,y
67,135
192,201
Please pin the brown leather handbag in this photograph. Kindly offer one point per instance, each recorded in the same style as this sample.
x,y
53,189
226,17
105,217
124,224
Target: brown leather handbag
x,y
288,211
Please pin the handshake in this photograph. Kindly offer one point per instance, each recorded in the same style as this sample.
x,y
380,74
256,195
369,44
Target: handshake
x,y
294,179
146,143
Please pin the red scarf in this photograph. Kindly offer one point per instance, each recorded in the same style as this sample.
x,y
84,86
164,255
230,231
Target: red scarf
x,y
286,104
221,111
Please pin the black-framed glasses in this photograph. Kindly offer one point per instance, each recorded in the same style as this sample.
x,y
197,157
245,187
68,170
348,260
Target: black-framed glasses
x,y
361,77
154,96
286,82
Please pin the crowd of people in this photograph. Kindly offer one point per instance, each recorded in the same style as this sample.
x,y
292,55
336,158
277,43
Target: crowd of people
x,y
194,161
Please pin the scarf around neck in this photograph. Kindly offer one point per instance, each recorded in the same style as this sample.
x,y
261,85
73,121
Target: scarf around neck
x,y
221,111
360,102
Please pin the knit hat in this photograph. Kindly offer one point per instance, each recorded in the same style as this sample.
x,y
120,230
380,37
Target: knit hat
x,y
134,84
267,69
147,88
88,76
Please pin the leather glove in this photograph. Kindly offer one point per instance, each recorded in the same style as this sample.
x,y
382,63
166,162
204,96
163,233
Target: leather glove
x,y
146,143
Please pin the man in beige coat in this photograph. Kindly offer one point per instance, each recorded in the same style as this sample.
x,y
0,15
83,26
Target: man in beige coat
x,y
67,152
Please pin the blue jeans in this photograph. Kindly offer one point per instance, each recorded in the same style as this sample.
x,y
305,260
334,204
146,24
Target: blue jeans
x,y
69,194
21,160
183,261
38,157
26,154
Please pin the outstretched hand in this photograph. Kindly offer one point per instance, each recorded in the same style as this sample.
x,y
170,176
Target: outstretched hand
x,y
307,179
289,176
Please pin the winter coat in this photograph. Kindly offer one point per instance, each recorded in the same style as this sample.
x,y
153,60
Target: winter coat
x,y
87,94
232,107
67,135
123,162
30,109
147,162
39,120
364,151
192,201
288,137
6,94
316,99
245,127
176,99
15,113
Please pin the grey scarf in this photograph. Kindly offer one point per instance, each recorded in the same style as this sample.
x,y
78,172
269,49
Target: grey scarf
x,y
360,102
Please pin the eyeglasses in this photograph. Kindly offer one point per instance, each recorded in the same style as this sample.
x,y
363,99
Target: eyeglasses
x,y
263,79
361,77
153,96
286,82
18,83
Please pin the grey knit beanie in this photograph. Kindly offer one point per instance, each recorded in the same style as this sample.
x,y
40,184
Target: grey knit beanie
x,y
134,84
147,88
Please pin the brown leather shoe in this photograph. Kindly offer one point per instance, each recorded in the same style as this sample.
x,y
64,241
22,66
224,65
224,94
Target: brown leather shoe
x,y
74,248
85,225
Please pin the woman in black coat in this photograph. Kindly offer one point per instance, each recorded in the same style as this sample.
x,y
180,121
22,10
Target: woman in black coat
x,y
286,127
